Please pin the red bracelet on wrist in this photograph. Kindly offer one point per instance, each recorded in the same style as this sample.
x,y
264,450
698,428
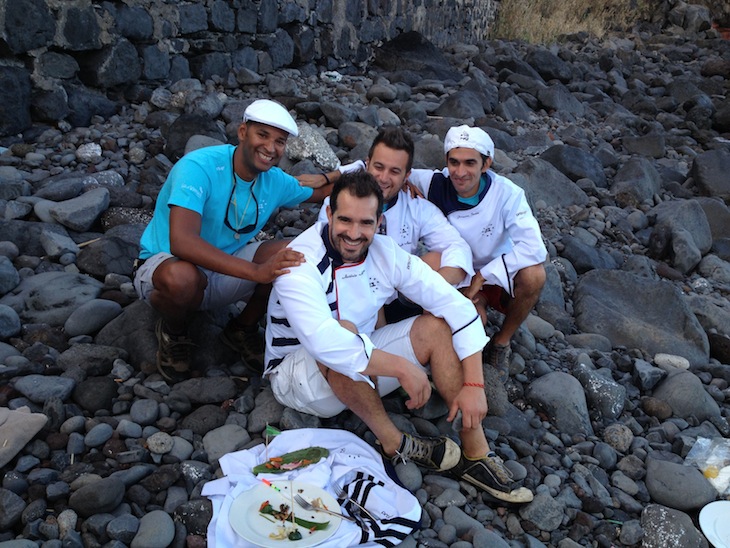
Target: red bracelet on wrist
x,y
474,384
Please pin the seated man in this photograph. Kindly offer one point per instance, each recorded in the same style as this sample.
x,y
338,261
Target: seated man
x,y
324,353
197,254
407,219
492,215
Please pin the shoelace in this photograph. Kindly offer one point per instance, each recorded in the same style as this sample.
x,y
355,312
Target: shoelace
x,y
420,449
177,349
496,465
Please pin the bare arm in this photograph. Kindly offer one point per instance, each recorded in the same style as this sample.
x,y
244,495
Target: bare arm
x,y
186,243
411,377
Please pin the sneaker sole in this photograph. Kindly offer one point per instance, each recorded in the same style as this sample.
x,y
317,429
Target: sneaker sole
x,y
520,495
172,371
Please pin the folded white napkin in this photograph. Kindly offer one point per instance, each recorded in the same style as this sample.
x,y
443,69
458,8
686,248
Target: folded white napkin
x,y
351,464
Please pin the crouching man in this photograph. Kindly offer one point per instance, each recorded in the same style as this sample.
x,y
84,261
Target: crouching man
x,y
324,354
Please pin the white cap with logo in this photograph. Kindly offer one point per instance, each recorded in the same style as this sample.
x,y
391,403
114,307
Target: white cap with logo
x,y
271,113
469,137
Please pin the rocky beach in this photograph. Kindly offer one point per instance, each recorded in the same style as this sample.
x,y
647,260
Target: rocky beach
x,y
622,145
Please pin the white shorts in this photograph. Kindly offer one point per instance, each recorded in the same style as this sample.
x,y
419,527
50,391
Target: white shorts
x,y
298,383
221,291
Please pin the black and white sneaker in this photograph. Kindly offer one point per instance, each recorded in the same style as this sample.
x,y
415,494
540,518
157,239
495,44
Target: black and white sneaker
x,y
490,474
439,454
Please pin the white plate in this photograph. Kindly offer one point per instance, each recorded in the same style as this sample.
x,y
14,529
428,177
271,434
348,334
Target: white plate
x,y
246,520
715,523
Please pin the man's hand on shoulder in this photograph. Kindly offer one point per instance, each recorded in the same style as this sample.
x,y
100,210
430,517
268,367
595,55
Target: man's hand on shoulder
x,y
277,265
413,190
315,180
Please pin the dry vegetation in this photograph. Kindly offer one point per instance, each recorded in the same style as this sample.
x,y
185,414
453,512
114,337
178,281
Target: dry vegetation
x,y
544,21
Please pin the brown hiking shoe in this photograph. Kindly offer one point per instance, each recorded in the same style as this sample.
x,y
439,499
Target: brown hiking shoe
x,y
498,356
250,346
173,351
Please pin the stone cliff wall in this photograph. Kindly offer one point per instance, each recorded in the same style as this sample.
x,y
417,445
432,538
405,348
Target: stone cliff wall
x,y
55,54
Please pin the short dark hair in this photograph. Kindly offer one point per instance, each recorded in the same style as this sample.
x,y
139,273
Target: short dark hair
x,y
397,138
360,184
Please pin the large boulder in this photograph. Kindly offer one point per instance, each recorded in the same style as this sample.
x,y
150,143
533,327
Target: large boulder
x,y
638,312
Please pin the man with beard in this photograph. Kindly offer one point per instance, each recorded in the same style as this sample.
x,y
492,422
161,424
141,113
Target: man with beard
x,y
324,353
197,253
407,219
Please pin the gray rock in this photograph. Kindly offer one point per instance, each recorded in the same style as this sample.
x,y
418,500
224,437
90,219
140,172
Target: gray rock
x,y
544,511
80,213
310,145
558,98
103,495
39,388
584,257
678,486
207,390
94,359
455,516
576,163
51,297
684,392
12,507
225,439
635,182
646,375
144,411
618,436
542,181
99,435
561,397
711,266
709,170
624,308
9,322
602,393
91,316
123,528
669,528
95,393
9,277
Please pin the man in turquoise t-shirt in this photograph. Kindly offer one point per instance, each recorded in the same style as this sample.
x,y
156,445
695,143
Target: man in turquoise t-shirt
x,y
197,253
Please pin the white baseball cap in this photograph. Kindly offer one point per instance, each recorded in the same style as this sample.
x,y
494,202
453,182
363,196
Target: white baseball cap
x,y
469,137
271,113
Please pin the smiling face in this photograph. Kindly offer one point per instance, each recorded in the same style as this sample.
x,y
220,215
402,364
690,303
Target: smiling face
x,y
466,166
389,166
261,147
352,225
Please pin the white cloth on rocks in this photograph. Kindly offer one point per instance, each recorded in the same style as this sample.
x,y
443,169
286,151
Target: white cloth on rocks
x,y
351,463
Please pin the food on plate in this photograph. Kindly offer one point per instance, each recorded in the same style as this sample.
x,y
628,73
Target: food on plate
x,y
291,461
288,529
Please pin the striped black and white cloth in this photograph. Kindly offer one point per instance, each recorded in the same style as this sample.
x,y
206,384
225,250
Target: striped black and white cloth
x,y
351,464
